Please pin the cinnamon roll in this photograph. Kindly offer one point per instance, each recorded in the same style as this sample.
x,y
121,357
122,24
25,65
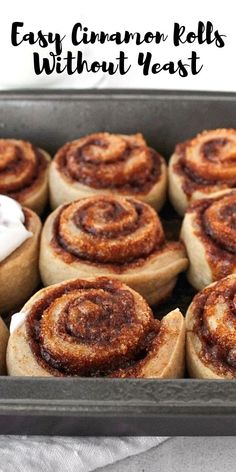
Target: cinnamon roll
x,y
202,167
95,328
108,163
111,236
209,234
211,331
19,253
3,346
24,173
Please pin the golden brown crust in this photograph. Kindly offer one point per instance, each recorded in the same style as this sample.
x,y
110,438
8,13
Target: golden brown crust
x,y
211,331
108,163
202,167
19,273
98,327
208,232
24,173
166,358
111,236
4,334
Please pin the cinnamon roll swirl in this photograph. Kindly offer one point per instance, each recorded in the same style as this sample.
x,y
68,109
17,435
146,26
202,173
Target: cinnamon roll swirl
x,y
24,173
211,331
108,163
3,346
111,236
93,328
209,234
202,167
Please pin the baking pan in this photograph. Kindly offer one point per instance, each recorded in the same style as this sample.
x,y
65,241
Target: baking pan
x,y
80,406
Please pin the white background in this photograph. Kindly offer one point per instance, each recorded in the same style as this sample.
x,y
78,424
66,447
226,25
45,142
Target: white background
x,y
134,15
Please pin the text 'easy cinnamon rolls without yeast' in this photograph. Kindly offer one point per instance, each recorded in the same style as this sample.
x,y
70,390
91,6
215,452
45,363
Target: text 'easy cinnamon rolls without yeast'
x,y
24,173
209,234
202,167
108,163
98,327
211,331
111,236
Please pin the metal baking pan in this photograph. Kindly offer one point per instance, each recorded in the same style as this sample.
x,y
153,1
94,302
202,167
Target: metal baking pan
x,y
80,406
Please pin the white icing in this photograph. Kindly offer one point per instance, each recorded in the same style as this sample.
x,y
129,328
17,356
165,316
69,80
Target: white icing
x,y
12,230
17,320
